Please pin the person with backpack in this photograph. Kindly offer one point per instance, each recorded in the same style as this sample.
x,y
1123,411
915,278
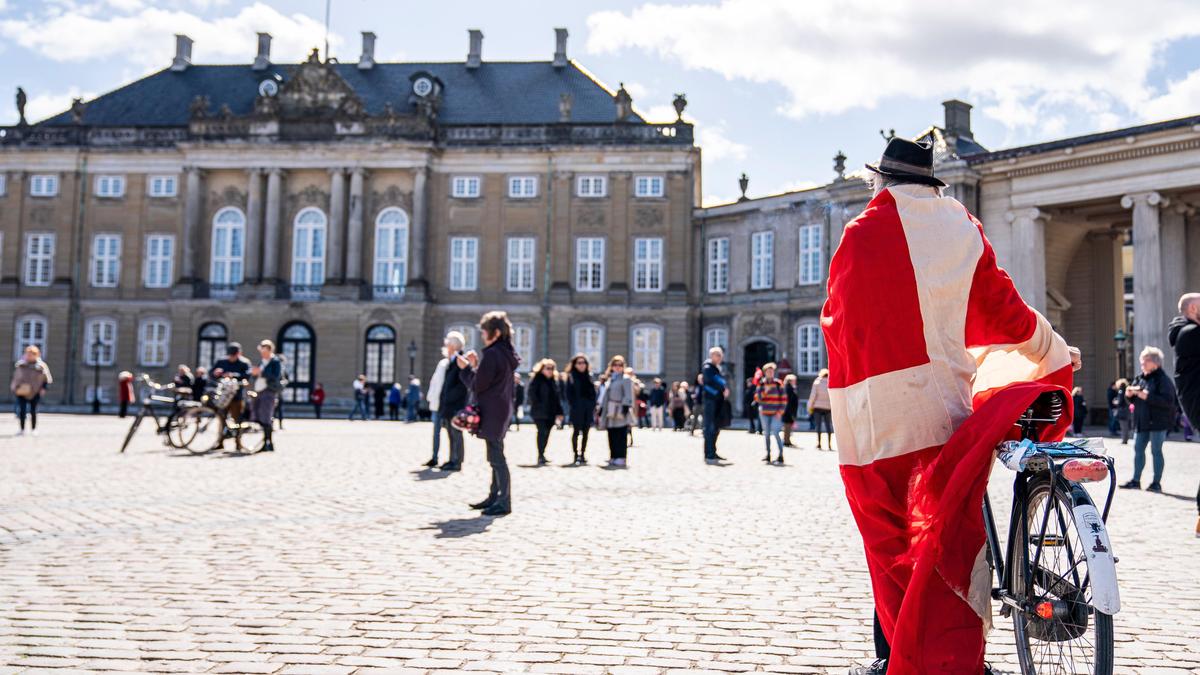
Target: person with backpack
x,y
393,401
714,390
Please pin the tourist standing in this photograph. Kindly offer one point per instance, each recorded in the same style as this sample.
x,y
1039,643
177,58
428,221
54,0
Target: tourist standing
x,y
616,401
545,403
1080,410
790,410
317,398
30,378
1185,339
749,407
819,407
1112,400
490,377
1124,413
714,390
518,400
378,397
1153,398
235,366
433,399
453,397
393,401
771,399
412,402
657,403
124,392
268,383
581,400
360,397
678,404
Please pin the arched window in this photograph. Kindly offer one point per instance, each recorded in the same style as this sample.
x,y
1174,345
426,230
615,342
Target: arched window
x,y
210,344
298,346
645,352
381,355
30,330
154,340
588,339
391,252
808,348
228,242
308,252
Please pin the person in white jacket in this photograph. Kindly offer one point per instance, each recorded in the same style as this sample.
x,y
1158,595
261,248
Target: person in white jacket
x,y
432,396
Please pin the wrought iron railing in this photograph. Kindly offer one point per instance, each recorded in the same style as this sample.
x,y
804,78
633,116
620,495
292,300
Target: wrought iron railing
x,y
305,291
391,292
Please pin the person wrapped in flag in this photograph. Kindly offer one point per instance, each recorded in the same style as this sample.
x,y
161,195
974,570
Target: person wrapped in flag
x,y
932,357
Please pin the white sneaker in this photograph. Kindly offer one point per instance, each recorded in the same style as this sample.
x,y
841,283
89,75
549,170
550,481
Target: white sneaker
x,y
20,432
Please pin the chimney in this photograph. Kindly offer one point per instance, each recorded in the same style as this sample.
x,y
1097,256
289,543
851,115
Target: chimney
x,y
560,48
475,53
183,53
958,118
263,60
366,61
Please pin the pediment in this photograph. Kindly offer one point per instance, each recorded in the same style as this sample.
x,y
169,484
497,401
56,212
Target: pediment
x,y
315,90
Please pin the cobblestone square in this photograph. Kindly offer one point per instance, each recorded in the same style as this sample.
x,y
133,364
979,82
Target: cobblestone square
x,y
336,554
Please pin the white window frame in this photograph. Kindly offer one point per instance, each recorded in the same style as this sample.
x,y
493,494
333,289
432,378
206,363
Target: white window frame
x,y
649,186
3,184
106,260
519,271
154,341
106,328
591,186
159,268
30,329
762,260
90,390
580,344
110,186
646,349
466,187
163,185
589,264
716,336
718,265
809,356
464,263
810,269
391,250
648,255
469,332
41,260
227,267
522,187
522,340
308,268
43,185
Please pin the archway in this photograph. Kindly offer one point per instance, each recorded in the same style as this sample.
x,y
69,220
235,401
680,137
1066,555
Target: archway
x,y
755,353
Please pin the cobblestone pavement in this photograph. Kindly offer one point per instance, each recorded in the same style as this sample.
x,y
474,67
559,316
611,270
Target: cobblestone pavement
x,y
334,554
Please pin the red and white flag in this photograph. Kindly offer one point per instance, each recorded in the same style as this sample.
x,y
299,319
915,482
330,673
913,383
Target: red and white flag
x,y
929,344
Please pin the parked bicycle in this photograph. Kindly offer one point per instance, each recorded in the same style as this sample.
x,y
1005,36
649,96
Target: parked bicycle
x,y
1057,575
181,418
246,434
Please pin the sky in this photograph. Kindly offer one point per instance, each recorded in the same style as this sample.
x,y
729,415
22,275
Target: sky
x,y
775,87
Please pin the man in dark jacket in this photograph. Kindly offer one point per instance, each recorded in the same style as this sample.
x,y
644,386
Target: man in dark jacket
x,y
233,365
1184,335
1154,404
452,399
490,377
714,392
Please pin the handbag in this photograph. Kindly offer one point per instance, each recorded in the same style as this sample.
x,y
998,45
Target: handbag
x,y
24,390
466,420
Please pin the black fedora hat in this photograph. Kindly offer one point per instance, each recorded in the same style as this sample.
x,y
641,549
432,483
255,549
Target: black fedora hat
x,y
909,160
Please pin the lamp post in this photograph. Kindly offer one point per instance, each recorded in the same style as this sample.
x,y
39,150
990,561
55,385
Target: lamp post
x,y
96,347
1119,338
412,358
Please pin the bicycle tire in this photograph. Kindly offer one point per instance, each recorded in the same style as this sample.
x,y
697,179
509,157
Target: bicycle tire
x,y
183,427
137,422
1038,656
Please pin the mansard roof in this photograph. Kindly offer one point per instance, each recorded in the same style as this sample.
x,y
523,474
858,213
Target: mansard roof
x,y
493,93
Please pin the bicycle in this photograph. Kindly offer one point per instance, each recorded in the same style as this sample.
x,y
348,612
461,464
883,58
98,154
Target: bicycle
x,y
179,426
220,403
1058,582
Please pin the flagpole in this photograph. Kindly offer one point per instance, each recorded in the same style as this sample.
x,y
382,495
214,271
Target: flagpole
x,y
327,3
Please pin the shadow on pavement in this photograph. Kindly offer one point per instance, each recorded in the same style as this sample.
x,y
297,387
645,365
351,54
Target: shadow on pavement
x,y
430,474
459,527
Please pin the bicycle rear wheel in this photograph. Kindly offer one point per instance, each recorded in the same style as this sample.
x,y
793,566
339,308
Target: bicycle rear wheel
x,y
137,421
185,425
1077,639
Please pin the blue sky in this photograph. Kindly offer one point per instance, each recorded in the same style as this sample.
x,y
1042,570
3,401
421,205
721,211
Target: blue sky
x,y
776,87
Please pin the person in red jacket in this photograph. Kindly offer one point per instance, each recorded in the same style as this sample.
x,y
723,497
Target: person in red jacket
x,y
317,398
124,392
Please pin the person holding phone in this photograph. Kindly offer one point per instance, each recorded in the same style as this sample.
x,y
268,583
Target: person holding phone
x,y
490,376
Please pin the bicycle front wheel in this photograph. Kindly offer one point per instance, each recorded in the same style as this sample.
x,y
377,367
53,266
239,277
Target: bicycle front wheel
x,y
185,424
1060,632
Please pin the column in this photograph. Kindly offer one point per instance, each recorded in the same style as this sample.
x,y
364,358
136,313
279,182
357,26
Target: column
x,y
1028,268
191,222
337,224
416,267
354,235
1149,327
270,242
253,226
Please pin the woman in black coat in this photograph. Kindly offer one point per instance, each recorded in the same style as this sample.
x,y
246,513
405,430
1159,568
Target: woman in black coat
x,y
790,410
545,403
490,377
581,399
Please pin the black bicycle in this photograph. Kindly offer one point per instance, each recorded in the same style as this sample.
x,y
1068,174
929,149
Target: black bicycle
x,y
1057,575
182,419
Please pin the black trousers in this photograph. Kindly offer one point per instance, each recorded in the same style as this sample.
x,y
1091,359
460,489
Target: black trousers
x,y
882,649
456,441
579,441
618,439
501,480
28,406
543,435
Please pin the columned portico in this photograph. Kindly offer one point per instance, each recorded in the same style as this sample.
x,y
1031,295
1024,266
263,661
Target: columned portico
x,y
337,224
354,237
1028,265
1149,328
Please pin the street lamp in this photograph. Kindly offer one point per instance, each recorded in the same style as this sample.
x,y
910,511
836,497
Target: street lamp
x,y
96,347
412,357
1119,338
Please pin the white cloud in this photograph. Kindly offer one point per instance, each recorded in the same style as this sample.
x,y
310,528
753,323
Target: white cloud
x,y
711,138
1016,59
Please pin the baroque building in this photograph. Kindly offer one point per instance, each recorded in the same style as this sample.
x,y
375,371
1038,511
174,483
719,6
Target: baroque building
x,y
352,212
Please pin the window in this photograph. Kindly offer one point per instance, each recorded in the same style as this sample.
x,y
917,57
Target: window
x,y
162,186
110,186
154,338
718,265
808,349
308,251
30,330
591,186
106,260
39,259
648,186
211,344
523,343
762,260
160,260
381,355
464,263
589,264
520,264
298,347
588,339
3,184
99,342
43,185
716,336
810,254
465,187
522,187
647,264
469,332
91,392
645,353
228,241
391,251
